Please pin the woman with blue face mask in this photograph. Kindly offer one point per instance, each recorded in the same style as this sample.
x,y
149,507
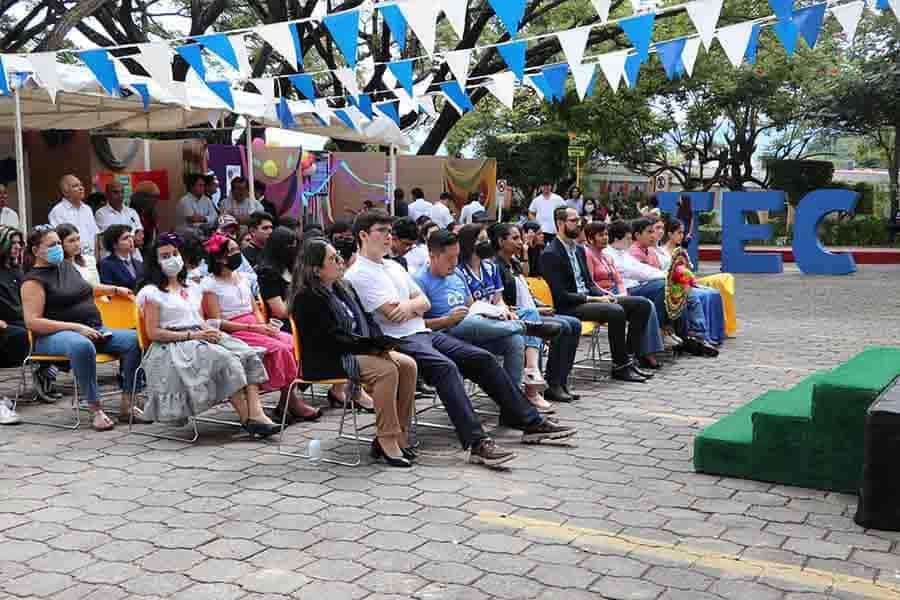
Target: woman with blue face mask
x,y
58,306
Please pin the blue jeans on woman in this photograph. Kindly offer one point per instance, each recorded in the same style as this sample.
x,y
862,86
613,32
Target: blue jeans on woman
x,y
501,338
82,354
651,341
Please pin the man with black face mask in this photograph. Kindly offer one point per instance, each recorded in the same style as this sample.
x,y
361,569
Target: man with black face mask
x,y
340,234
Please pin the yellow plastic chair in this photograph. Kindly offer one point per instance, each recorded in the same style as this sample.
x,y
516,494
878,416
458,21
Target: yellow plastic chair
x,y
263,309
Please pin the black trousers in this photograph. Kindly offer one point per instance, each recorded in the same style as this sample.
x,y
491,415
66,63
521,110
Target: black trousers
x,y
625,321
14,341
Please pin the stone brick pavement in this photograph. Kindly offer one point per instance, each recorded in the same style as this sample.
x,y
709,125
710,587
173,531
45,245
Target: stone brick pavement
x,y
619,514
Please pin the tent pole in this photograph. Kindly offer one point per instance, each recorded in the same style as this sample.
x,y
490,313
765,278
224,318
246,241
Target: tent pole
x,y
393,186
250,179
146,154
24,206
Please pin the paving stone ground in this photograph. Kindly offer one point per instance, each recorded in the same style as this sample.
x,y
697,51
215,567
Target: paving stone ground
x,y
618,514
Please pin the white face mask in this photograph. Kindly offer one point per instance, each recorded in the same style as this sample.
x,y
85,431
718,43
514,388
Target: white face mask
x,y
172,266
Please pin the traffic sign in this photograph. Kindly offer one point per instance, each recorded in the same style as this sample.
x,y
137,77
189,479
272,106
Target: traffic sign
x,y
576,152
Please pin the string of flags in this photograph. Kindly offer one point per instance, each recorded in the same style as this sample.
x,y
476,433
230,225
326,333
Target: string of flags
x,y
219,60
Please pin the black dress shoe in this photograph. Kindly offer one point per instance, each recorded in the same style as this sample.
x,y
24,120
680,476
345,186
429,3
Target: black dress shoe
x,y
642,372
571,393
645,364
627,373
378,452
557,394
543,329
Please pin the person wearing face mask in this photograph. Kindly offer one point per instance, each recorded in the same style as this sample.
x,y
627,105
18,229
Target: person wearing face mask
x,y
190,365
59,309
227,298
340,234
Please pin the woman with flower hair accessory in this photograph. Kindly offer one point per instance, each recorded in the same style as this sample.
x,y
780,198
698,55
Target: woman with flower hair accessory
x,y
227,296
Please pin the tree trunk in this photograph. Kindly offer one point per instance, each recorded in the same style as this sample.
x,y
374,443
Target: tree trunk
x,y
78,13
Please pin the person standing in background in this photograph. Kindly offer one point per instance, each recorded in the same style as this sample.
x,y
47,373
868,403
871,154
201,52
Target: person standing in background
x,y
440,210
475,205
401,208
575,199
420,207
8,216
115,212
72,209
541,210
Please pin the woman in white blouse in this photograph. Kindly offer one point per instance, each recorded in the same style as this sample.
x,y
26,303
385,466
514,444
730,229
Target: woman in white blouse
x,y
71,243
191,366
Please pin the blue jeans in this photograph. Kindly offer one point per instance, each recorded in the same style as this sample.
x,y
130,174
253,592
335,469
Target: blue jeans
x,y
502,338
82,354
651,341
713,312
563,350
691,321
530,314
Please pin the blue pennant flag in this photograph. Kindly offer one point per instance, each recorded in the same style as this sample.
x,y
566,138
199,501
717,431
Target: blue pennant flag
x,y
540,81
783,9
403,71
219,44
4,84
141,89
752,45
396,22
632,68
786,31
809,22
670,56
344,28
514,56
882,4
392,110
457,95
639,30
193,55
510,13
364,103
294,28
304,85
283,112
345,118
222,89
555,76
98,61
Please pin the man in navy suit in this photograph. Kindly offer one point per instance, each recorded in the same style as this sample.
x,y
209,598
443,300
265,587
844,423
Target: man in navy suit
x,y
120,268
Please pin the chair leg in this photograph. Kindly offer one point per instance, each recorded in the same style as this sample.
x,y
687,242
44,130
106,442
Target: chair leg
x,y
348,405
160,436
76,418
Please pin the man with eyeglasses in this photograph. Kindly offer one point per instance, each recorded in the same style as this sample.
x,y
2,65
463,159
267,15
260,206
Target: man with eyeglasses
x,y
388,292
72,209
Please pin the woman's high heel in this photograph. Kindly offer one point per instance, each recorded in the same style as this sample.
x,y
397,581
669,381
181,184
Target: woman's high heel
x,y
378,452
409,454
259,429
335,402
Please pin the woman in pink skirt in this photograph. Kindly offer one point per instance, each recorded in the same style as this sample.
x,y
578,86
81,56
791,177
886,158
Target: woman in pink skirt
x,y
227,297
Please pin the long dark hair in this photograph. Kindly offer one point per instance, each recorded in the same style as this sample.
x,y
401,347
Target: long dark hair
x,y
684,208
468,237
63,230
499,232
305,278
276,255
7,236
153,273
673,225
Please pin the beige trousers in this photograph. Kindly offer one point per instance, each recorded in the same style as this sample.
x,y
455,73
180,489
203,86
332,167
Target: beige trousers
x,y
391,377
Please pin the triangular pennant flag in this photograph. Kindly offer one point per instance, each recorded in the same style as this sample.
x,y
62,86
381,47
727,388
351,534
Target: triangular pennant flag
x,y
403,71
895,8
284,38
222,89
510,13
848,15
632,69
396,22
193,56
141,89
786,31
613,66
457,97
503,87
213,116
585,77
602,8
98,61
734,40
323,111
156,58
341,114
455,11
304,84
347,77
881,4
285,116
344,29
689,54
540,85
809,22
122,72
390,110
219,44
574,43
556,76
513,54
704,15
239,43
4,83
422,19
639,30
364,103
783,9
458,62
44,65
266,88
670,55
752,44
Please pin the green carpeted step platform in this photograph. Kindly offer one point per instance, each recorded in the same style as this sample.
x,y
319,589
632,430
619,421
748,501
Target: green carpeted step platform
x,y
809,436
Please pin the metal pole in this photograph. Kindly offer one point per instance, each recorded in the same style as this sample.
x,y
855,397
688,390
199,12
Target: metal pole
x,y
146,154
499,204
393,183
20,164
250,179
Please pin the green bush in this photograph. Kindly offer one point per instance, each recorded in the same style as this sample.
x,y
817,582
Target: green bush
x,y
710,234
856,231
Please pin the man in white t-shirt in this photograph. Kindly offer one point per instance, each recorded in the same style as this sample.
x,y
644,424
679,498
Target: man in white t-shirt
x,y
440,211
419,206
72,209
541,210
475,205
8,216
115,212
388,292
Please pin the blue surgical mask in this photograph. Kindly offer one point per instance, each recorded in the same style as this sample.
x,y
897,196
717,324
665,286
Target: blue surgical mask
x,y
55,254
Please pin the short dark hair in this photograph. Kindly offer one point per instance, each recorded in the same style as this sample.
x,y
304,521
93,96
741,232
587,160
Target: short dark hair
x,y
398,195
112,234
499,232
618,230
642,224
441,240
256,218
422,219
560,213
445,196
417,193
239,179
339,227
424,226
191,179
208,179
289,222
405,229
531,226
653,202
364,221
593,229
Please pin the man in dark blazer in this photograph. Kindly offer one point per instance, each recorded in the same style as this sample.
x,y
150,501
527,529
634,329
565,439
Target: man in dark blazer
x,y
120,268
564,266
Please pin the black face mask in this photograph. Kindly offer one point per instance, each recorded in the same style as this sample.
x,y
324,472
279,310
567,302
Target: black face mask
x,y
345,248
483,249
234,261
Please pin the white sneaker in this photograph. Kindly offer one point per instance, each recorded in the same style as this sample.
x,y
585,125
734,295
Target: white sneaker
x,y
534,379
7,415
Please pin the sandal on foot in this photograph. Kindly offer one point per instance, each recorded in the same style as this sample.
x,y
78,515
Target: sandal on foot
x,y
101,422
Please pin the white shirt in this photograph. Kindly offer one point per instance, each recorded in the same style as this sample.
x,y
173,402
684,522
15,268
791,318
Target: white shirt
x,y
465,217
576,203
190,205
82,218
440,214
240,210
664,256
418,208
89,271
175,311
379,283
543,208
9,217
633,271
416,258
107,215
235,299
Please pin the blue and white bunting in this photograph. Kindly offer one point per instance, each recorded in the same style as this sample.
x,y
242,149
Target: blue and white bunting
x,y
455,12
222,89
341,113
304,84
391,110
219,44
503,87
285,39
670,56
734,40
457,97
45,68
786,32
632,69
144,93
809,22
689,55
396,22
344,30
156,59
613,66
752,45
510,13
363,103
573,43
98,61
556,76
193,56
639,30
848,15
783,9
585,76
422,19
513,54
4,82
283,111
403,71
602,7
539,83
704,15
458,63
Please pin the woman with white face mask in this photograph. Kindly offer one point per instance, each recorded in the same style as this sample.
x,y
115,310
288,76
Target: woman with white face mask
x,y
192,366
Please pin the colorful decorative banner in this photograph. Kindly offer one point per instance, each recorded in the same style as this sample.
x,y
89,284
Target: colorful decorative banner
x,y
344,29
639,30
219,45
396,22
510,13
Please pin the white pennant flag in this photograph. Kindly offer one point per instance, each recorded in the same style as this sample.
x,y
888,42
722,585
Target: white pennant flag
x,y
583,75
705,15
156,58
122,73
240,52
213,117
848,15
895,7
602,8
323,110
734,40
458,61
424,100
388,79
455,11
279,36
422,19
266,87
407,104
574,43
347,77
689,54
503,87
44,65
613,66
